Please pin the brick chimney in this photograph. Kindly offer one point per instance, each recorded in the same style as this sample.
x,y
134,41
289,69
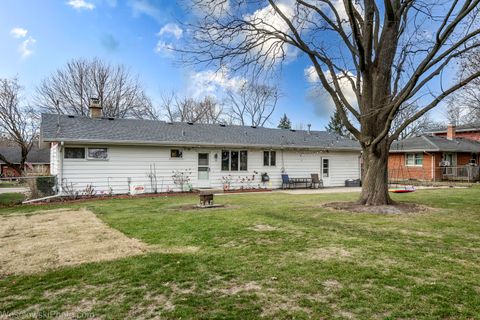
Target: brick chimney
x,y
95,108
451,131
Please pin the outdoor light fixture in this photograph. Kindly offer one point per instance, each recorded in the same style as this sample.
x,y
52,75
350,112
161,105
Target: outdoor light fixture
x,y
216,156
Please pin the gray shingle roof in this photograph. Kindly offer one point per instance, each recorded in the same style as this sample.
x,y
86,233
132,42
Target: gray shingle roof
x,y
13,154
82,129
435,143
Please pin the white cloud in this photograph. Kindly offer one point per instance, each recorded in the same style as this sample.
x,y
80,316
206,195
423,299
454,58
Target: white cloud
x,y
322,101
81,4
213,83
26,47
268,19
171,28
144,7
311,74
18,32
164,48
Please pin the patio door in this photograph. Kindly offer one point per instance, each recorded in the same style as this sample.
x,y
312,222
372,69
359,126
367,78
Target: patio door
x,y
450,161
203,179
325,170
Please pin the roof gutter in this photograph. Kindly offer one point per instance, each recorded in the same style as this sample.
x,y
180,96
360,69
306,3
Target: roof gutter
x,y
193,144
413,150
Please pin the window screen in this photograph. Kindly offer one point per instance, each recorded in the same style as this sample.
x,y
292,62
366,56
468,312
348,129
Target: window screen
x,y
97,153
74,153
326,168
225,160
243,160
234,161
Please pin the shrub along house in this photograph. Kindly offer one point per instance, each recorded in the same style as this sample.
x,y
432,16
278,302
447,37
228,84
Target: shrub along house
x,y
118,155
435,158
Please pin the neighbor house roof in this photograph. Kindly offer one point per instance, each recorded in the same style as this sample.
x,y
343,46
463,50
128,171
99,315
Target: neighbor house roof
x,y
474,126
13,154
83,129
435,143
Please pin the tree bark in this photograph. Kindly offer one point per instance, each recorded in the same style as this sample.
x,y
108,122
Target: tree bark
x,y
375,176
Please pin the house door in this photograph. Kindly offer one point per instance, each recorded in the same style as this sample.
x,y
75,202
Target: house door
x,y
203,170
325,170
449,160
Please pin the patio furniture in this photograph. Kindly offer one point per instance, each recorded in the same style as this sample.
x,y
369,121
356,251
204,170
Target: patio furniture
x,y
293,182
286,181
307,182
316,181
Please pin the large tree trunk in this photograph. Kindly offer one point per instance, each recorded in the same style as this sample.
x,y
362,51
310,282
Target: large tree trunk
x,y
375,176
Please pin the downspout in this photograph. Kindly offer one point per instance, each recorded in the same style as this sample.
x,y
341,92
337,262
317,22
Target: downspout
x,y
60,169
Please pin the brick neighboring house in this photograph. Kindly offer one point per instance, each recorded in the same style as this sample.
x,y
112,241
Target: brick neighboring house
x,y
38,160
435,157
468,131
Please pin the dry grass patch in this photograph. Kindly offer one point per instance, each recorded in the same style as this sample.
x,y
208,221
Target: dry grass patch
x,y
327,253
34,243
235,288
397,208
263,228
332,285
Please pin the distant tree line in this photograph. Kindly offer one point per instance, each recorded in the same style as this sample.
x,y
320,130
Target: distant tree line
x,y
68,91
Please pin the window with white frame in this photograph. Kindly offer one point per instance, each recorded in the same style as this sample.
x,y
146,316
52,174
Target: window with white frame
x,y
414,159
97,153
74,153
233,160
326,168
269,158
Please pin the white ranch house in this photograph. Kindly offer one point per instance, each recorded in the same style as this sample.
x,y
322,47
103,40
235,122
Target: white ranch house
x,y
117,155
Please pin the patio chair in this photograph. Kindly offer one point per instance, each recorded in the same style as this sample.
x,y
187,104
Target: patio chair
x,y
316,181
286,182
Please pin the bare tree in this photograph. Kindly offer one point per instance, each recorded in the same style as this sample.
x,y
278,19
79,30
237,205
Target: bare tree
x,y
420,126
466,101
178,109
388,53
18,124
252,104
455,112
69,89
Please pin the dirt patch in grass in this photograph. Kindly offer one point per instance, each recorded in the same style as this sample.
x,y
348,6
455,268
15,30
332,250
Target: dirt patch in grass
x,y
328,253
262,228
189,207
235,288
397,208
332,285
34,243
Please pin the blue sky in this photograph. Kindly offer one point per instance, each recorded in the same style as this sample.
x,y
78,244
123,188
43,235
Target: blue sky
x,y
37,37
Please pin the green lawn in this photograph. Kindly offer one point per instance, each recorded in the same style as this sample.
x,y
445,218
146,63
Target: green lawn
x,y
11,198
275,256
8,184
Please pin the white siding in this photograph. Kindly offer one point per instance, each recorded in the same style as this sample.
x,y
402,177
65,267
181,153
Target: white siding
x,y
133,162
